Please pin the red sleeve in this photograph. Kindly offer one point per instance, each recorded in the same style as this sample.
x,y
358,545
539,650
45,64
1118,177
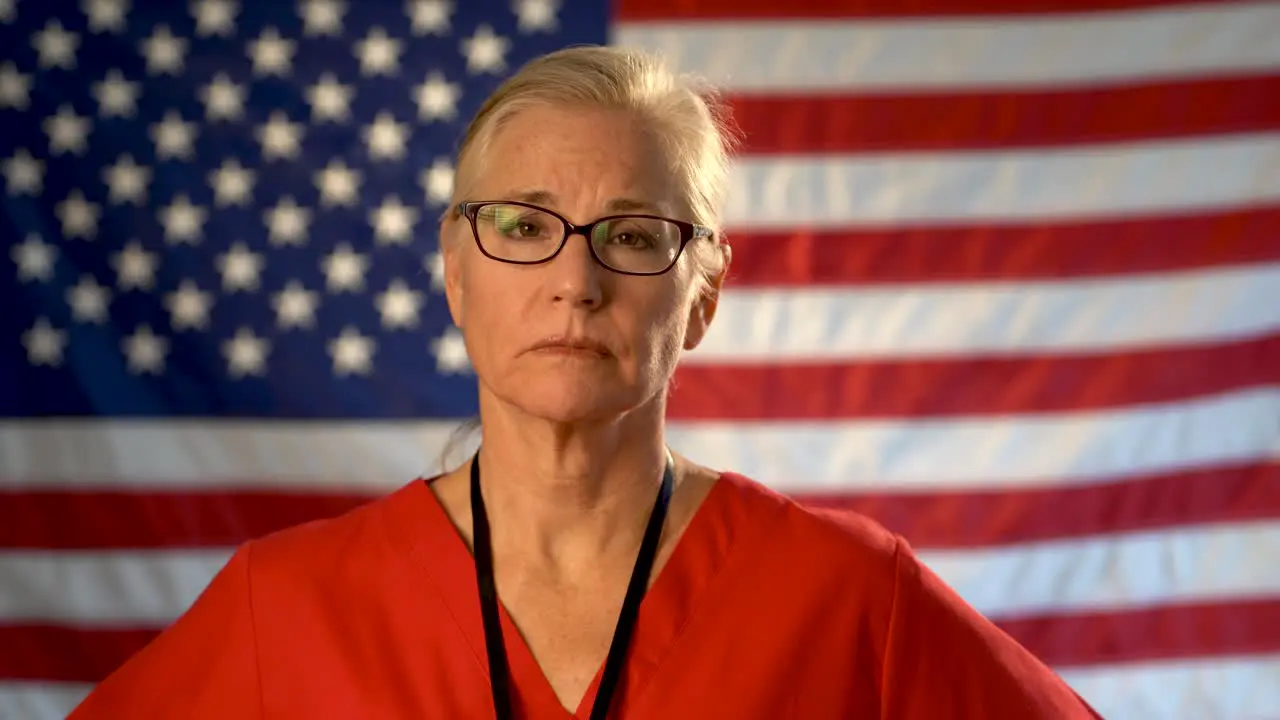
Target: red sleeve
x,y
943,659
204,666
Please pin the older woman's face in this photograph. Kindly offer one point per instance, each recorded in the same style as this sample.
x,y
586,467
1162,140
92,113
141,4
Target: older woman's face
x,y
582,163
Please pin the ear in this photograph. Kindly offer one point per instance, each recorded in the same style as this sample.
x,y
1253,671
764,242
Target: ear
x,y
452,253
703,308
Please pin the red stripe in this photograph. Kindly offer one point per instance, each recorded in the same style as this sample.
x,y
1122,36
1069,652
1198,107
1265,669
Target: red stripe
x,y
816,124
1005,252
971,519
676,10
965,386
62,654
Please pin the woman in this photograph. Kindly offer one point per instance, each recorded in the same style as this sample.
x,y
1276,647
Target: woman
x,y
608,576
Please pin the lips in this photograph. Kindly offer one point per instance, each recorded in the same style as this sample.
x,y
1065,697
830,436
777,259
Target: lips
x,y
571,345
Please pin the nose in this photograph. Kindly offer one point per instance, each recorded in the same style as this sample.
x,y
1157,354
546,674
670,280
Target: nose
x,y
576,276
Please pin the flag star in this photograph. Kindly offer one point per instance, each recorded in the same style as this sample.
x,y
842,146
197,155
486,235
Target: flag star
x,y
437,98
399,306
126,181
435,265
8,11
279,137
23,174
272,54
15,88
535,15
322,17
189,306
145,351
437,181
429,17
232,183
78,216
55,46
241,268
287,222
330,99
393,221
352,353
173,137
378,53
246,354
116,96
164,51
44,343
344,269
485,51
135,267
34,258
338,184
68,132
89,300
450,350
386,138
183,222
223,99
296,306
105,15
215,17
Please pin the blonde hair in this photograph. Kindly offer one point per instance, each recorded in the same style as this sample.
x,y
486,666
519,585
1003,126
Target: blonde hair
x,y
685,114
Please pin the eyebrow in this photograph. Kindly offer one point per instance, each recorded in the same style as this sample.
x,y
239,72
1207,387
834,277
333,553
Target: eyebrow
x,y
543,197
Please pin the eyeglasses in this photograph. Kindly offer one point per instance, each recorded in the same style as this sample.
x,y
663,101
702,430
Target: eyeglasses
x,y
524,234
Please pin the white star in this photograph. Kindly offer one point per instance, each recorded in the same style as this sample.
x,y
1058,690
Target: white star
x,y
485,51
183,221
23,174
8,11
56,47
352,353
173,137
330,99
296,306
399,306
338,184
287,222
344,269
189,306
429,17
68,132
223,99
386,138
116,96
378,53
105,15
79,217
34,258
393,221
89,300
126,181
535,15
44,343
215,17
145,351
437,181
437,98
240,268
450,350
322,17
135,267
272,54
279,137
246,354
434,264
15,88
232,184
164,51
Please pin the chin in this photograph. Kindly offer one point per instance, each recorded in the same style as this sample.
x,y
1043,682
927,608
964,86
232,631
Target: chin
x,y
574,398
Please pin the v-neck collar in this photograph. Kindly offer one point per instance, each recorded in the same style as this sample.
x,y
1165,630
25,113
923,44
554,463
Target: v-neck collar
x,y
694,562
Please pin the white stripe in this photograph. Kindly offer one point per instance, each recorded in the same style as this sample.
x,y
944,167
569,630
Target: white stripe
x,y
803,325
996,452
783,192
40,700
1233,688
1057,50
129,588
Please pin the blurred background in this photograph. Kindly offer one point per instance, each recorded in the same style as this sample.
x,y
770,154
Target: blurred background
x,y
1007,279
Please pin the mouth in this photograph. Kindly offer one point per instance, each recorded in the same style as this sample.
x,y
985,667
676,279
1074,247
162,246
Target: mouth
x,y
573,347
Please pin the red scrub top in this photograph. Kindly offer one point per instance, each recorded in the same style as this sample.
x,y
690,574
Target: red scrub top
x,y
765,609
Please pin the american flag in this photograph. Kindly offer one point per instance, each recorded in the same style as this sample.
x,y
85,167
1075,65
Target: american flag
x,y
1007,279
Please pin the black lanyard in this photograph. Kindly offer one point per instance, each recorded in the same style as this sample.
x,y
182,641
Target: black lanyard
x,y
499,682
